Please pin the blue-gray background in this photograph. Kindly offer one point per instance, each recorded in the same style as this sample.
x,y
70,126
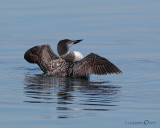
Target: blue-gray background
x,y
125,32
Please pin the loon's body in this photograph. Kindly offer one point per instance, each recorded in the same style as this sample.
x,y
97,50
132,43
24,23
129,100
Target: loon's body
x,y
69,63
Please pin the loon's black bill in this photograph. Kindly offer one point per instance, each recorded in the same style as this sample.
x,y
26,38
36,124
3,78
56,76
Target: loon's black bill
x,y
76,41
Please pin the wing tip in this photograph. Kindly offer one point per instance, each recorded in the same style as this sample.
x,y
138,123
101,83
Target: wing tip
x,y
32,55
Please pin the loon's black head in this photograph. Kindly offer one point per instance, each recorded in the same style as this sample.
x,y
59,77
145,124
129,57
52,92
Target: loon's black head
x,y
65,44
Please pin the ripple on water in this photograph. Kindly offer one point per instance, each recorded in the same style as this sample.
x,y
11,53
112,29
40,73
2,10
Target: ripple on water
x,y
71,94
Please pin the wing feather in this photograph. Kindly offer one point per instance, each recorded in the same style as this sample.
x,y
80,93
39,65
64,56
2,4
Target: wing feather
x,y
41,55
94,64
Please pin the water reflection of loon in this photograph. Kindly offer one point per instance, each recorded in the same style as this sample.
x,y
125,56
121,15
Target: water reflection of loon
x,y
81,93
69,63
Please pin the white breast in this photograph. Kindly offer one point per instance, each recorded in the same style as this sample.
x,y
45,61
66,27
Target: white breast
x,y
78,56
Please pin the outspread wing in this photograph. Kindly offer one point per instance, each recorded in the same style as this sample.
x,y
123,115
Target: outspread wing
x,y
41,55
94,64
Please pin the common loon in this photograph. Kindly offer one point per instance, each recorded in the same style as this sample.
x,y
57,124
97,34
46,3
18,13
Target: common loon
x,y
69,63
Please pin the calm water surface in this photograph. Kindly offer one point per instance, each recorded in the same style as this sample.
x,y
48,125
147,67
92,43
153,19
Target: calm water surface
x,y
125,32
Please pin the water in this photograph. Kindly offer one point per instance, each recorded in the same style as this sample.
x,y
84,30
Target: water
x,y
125,32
